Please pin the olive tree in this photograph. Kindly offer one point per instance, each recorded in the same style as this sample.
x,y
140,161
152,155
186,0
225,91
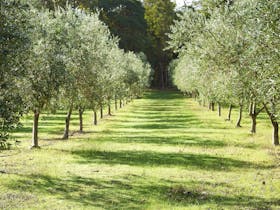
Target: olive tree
x,y
45,69
14,45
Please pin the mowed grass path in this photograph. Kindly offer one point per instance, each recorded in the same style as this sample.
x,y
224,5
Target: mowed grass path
x,y
160,152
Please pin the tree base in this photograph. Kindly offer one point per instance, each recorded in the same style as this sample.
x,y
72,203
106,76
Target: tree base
x,y
35,147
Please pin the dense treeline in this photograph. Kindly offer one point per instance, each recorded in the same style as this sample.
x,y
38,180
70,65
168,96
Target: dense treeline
x,y
61,58
229,55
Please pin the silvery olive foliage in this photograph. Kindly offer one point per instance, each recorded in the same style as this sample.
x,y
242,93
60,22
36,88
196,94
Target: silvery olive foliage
x,y
14,44
231,55
62,58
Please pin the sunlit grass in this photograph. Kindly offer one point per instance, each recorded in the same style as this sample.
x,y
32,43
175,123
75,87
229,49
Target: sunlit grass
x,y
160,152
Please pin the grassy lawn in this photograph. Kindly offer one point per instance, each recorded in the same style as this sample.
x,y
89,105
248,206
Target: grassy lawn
x,y
160,152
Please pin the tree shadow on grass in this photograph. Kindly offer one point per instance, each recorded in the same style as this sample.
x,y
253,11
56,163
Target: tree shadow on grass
x,y
160,141
148,158
139,137
157,120
171,120
155,126
194,139
133,192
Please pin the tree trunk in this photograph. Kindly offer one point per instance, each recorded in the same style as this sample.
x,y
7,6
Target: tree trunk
x,y
120,103
254,123
250,108
219,110
109,110
81,111
67,123
94,118
116,103
209,106
203,102
275,135
229,112
253,116
101,111
35,143
238,124
275,138
166,79
213,106
162,76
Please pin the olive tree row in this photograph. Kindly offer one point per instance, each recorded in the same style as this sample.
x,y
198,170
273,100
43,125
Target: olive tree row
x,y
231,57
72,61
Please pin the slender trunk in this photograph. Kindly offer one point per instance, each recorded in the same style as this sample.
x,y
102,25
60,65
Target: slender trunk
x,y
250,108
120,103
275,134
238,124
209,106
35,143
162,76
81,111
253,116
213,106
275,137
193,95
166,79
254,123
101,111
229,112
109,110
116,103
67,123
94,118
219,110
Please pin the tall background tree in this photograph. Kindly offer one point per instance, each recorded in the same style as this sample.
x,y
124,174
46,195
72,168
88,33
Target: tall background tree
x,y
159,15
125,19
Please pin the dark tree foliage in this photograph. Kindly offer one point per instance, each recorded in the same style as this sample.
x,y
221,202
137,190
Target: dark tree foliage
x,y
125,19
160,15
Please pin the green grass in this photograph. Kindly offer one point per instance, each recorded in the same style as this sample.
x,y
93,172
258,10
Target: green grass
x,y
160,152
